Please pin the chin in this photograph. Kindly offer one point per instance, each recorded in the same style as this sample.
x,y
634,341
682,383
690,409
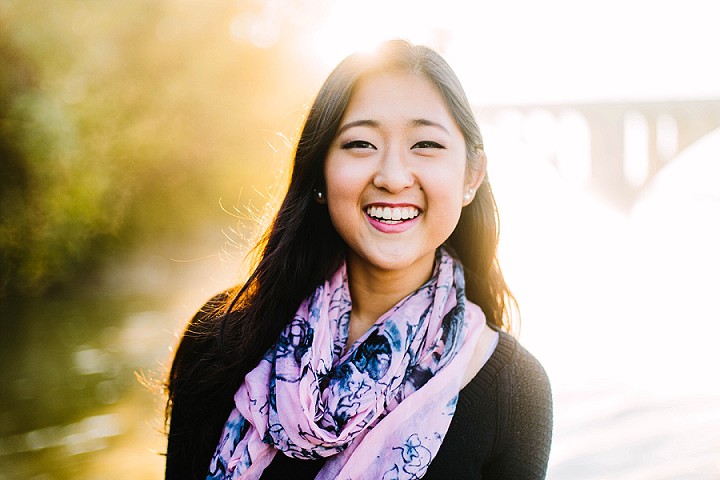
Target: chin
x,y
395,261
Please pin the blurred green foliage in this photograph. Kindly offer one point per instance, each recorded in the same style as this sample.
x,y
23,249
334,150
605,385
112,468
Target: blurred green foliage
x,y
123,123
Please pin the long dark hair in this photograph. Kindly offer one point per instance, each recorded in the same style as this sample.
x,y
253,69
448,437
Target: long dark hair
x,y
301,248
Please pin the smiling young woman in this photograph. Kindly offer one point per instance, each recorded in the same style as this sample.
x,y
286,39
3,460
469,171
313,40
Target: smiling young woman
x,y
369,341
394,156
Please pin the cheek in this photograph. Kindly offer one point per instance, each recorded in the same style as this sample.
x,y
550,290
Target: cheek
x,y
342,179
446,189
344,184
339,191
445,203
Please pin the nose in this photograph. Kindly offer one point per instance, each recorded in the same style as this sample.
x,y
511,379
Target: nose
x,y
393,173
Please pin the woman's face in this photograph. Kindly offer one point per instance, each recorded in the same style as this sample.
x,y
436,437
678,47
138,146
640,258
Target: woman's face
x,y
395,173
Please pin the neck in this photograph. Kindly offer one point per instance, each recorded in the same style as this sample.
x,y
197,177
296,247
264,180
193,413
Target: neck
x,y
374,291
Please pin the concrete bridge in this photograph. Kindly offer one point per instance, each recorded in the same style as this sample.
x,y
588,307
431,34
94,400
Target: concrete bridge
x,y
614,149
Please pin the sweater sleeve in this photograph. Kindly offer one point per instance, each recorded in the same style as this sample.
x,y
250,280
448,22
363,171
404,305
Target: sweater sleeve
x,y
525,433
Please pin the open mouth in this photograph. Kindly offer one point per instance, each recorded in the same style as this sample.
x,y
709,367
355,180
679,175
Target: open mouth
x,y
392,215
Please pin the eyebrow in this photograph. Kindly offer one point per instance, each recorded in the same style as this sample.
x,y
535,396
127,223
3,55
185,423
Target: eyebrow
x,y
418,122
422,122
358,123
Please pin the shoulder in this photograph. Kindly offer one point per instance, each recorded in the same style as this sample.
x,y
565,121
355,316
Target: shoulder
x,y
513,374
204,323
524,410
212,308
198,336
509,366
199,394
511,384
502,425
197,342
517,364
519,379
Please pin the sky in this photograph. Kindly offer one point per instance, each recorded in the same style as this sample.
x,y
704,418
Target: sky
x,y
552,51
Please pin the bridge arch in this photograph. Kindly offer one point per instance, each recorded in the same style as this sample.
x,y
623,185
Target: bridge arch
x,y
615,149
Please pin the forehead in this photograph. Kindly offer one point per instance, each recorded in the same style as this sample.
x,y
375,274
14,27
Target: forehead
x,y
393,96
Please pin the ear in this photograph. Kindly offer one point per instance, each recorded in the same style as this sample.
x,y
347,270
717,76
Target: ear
x,y
474,177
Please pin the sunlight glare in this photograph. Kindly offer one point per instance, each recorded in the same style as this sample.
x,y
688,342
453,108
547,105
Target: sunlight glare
x,y
349,27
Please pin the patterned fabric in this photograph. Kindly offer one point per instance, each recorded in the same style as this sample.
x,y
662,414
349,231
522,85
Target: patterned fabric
x,y
380,409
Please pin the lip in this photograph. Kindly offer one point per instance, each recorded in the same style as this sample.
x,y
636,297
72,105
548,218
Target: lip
x,y
395,228
391,205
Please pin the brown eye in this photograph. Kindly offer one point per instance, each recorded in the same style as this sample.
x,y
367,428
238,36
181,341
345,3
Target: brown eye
x,y
357,144
427,144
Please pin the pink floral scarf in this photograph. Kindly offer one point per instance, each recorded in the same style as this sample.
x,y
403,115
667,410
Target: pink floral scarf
x,y
380,409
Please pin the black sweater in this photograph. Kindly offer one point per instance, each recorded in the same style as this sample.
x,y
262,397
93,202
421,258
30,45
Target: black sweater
x,y
502,427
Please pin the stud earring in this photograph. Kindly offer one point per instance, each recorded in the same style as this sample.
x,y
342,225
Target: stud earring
x,y
319,195
468,195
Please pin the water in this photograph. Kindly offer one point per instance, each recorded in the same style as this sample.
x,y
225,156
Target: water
x,y
73,403
614,430
69,392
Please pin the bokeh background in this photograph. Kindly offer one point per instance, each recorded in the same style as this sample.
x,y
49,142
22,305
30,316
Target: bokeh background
x,y
141,140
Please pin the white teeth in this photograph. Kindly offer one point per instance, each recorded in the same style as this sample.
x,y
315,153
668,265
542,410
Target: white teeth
x,y
395,214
